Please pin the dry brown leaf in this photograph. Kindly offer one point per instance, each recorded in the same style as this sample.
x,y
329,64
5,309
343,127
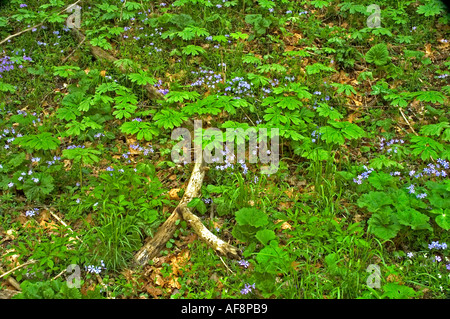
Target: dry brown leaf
x,y
295,265
159,280
394,278
286,225
11,234
285,205
155,292
89,218
428,51
13,259
173,194
67,164
173,282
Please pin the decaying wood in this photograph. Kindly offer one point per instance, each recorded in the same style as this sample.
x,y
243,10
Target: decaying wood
x,y
154,245
204,234
8,293
11,281
101,54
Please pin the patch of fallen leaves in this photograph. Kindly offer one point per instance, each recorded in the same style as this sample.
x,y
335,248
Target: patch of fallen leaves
x,y
157,283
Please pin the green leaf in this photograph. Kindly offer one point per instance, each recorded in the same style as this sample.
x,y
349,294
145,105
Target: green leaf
x,y
382,225
318,68
431,96
327,111
86,156
380,179
193,50
378,54
141,78
198,204
101,42
169,119
239,35
434,129
413,218
143,130
42,141
396,291
251,59
65,70
5,87
426,147
431,8
374,201
288,102
382,161
276,68
265,235
180,96
272,258
36,190
251,216
444,220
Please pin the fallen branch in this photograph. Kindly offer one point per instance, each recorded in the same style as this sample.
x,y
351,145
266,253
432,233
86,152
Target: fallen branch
x,y
204,234
153,246
406,120
32,261
37,25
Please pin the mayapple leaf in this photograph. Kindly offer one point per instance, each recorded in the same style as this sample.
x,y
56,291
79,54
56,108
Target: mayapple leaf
x,y
378,54
42,141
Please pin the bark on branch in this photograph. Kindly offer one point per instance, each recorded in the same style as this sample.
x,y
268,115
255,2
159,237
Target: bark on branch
x,y
153,246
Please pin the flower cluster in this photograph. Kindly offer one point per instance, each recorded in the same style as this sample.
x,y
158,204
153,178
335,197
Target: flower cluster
x,y
32,212
70,147
247,289
238,86
55,158
363,175
412,190
207,200
315,135
244,263
139,148
435,169
436,245
388,144
95,269
158,85
207,77
6,65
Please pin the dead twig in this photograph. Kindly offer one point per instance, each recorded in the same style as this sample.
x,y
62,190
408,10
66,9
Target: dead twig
x,y
35,26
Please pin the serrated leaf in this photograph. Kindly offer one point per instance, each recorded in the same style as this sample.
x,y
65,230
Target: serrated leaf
x,y
374,201
265,235
413,218
251,216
